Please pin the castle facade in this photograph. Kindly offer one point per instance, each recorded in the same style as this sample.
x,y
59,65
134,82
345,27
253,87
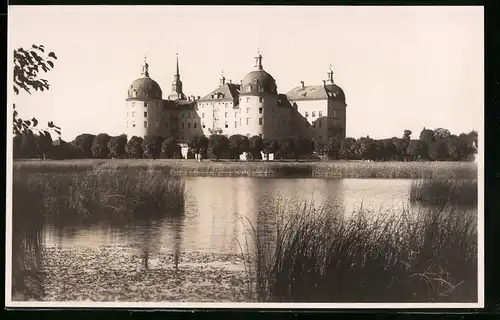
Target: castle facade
x,y
252,107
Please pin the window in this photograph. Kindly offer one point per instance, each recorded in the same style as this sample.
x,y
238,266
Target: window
x,y
225,105
319,137
320,113
203,115
182,125
166,125
225,114
133,114
260,110
226,125
182,115
236,124
319,123
194,125
133,125
145,104
236,114
203,126
145,114
314,113
261,99
240,121
335,113
248,120
133,104
307,114
189,125
314,124
260,121
189,115
248,99
145,124
248,110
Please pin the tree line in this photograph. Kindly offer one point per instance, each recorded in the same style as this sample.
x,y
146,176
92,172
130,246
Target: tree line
x,y
433,145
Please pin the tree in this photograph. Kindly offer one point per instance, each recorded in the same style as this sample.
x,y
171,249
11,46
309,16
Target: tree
x,y
27,146
170,148
270,146
116,146
457,148
332,148
441,134
134,147
28,64
287,148
237,145
99,147
83,143
16,146
303,146
199,145
438,150
417,149
366,149
407,134
255,147
389,150
346,148
218,145
427,136
43,145
151,146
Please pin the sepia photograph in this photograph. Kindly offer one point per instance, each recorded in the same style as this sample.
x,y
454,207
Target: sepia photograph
x,y
245,157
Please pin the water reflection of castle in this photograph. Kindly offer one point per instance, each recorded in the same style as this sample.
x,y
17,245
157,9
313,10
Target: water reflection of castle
x,y
252,107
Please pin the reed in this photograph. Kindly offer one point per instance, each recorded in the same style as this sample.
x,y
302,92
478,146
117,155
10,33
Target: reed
x,y
315,255
442,192
327,169
80,198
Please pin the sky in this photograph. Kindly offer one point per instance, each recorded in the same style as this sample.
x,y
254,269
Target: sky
x,y
400,67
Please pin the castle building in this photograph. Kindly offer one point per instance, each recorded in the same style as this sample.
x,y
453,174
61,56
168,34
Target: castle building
x,y
252,107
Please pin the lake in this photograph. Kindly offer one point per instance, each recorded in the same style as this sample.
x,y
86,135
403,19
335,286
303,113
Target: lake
x,y
217,207
195,256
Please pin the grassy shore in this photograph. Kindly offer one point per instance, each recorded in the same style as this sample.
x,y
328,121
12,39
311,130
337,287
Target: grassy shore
x,y
327,169
315,256
462,193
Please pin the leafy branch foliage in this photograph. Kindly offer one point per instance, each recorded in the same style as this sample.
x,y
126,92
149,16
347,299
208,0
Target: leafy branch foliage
x,y
28,64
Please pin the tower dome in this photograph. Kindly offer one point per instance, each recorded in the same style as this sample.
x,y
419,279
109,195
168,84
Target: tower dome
x,y
144,87
258,81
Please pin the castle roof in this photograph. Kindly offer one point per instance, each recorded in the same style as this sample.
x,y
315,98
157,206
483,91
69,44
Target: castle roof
x,y
225,92
329,91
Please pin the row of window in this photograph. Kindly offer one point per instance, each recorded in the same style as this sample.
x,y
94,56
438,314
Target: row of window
x,y
133,114
320,114
133,124
145,104
214,114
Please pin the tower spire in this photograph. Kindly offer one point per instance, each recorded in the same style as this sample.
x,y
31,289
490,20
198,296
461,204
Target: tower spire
x,y
222,78
330,75
177,83
145,67
177,65
258,60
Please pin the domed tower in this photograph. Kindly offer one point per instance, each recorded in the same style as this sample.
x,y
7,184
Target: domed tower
x,y
144,106
258,98
336,107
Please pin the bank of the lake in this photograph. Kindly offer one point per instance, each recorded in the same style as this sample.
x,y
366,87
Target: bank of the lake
x,y
318,169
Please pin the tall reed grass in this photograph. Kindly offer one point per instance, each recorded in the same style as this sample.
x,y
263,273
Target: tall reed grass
x,y
317,256
442,192
80,198
333,169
